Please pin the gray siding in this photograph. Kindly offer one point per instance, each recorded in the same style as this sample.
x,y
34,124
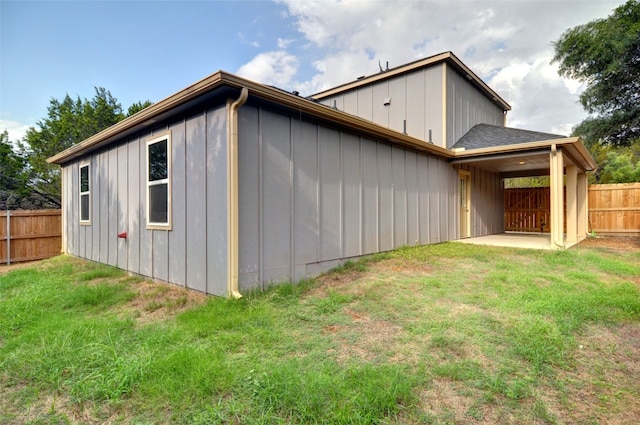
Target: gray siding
x,y
133,217
193,253
415,97
487,202
216,194
466,107
312,196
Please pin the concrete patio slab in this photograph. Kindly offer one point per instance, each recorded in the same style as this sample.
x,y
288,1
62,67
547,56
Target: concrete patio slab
x,y
515,240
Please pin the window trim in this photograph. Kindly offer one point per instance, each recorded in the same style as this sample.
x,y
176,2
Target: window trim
x,y
157,138
81,193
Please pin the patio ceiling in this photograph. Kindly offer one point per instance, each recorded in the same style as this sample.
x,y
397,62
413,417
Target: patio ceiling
x,y
514,152
527,159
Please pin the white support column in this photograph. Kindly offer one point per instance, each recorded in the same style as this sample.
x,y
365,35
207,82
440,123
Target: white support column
x,y
583,206
557,200
572,204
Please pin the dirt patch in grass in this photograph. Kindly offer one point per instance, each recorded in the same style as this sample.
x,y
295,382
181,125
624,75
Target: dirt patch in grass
x,y
372,338
156,301
4,268
442,399
603,386
613,243
402,267
343,282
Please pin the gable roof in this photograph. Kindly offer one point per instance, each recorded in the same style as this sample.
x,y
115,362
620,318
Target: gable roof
x,y
489,136
445,57
222,86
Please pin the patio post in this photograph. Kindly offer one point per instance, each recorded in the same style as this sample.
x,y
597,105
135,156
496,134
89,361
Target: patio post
x,y
572,204
557,200
583,205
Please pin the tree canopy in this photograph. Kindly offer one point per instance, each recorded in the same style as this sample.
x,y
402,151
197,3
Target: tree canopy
x,y
605,55
68,122
13,178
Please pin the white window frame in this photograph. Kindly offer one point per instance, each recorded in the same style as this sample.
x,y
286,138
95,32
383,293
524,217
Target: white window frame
x,y
85,193
153,140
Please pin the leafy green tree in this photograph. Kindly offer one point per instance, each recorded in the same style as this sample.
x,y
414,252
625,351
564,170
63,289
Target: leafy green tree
x,y
137,107
605,55
68,122
526,182
13,176
621,165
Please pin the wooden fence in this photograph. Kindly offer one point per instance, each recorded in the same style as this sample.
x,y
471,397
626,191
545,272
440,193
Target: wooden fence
x,y
615,208
27,235
527,210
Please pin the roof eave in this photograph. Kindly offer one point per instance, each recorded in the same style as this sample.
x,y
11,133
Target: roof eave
x,y
586,161
147,117
140,119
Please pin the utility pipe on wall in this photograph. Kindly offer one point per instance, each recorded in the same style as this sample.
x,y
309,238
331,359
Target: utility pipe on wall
x,y
232,193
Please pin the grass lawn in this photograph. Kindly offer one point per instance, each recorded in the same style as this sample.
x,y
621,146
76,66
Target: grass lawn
x,y
450,333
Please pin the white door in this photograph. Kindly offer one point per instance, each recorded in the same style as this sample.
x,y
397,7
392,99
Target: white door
x,y
465,204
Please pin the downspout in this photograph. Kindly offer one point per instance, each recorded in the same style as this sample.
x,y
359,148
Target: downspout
x,y
232,194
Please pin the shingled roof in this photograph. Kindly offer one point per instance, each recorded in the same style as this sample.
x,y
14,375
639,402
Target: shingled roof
x,y
489,136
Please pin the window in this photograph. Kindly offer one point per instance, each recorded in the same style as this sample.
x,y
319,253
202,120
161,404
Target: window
x,y
159,182
85,194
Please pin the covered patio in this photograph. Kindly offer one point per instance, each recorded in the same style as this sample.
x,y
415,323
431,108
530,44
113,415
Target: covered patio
x,y
517,240
521,153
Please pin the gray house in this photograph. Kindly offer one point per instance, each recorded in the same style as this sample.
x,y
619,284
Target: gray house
x,y
230,185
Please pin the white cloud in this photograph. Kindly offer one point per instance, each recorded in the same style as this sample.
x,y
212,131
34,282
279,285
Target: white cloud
x,y
15,129
508,44
283,43
244,39
274,68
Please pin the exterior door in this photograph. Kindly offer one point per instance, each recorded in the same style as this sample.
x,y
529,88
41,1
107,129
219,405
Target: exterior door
x,y
465,203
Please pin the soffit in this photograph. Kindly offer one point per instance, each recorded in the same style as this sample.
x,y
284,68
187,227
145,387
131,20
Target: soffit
x,y
530,159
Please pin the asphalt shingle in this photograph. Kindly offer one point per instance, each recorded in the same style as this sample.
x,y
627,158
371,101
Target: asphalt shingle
x,y
489,136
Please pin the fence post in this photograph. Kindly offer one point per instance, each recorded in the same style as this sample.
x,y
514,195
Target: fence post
x,y
8,238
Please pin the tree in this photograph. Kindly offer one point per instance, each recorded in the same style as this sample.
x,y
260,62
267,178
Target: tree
x,y
13,177
137,107
620,165
605,54
68,122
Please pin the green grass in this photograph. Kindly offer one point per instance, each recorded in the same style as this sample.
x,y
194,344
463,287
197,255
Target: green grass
x,y
438,334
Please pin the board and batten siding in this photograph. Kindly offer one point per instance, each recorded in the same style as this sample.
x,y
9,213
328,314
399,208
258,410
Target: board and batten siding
x,y
487,201
312,196
467,106
415,97
193,253
418,98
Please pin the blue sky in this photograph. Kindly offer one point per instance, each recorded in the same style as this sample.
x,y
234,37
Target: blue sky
x,y
148,50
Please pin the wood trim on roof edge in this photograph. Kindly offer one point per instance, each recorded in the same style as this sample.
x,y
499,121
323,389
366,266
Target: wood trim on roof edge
x,y
280,97
137,121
